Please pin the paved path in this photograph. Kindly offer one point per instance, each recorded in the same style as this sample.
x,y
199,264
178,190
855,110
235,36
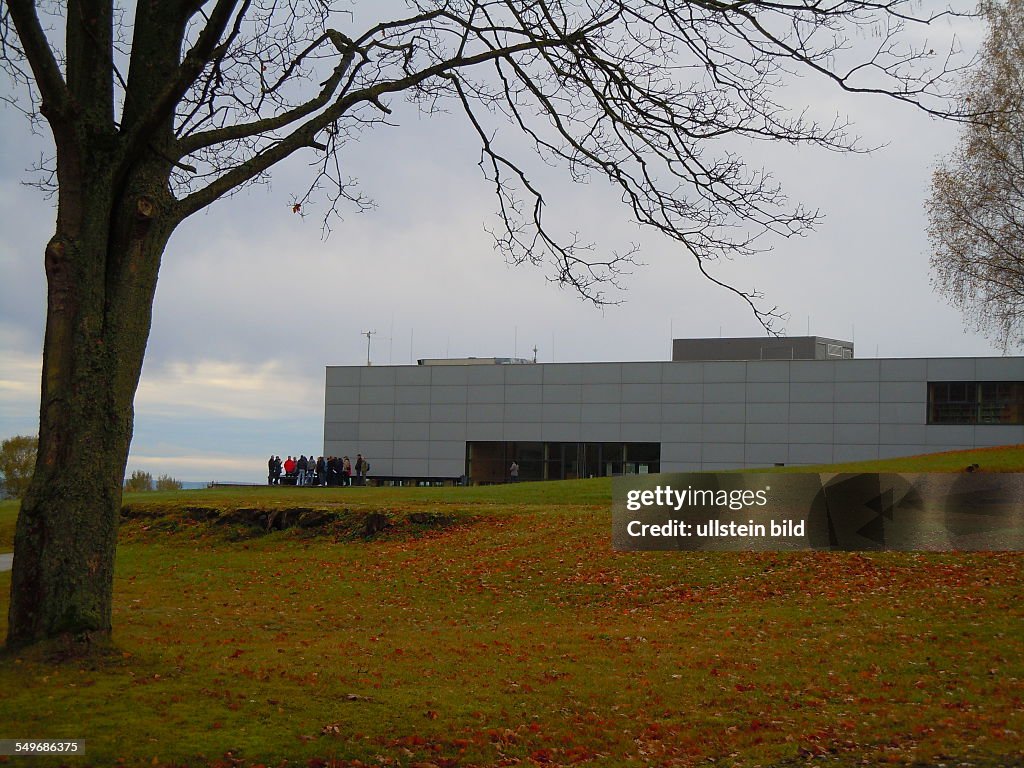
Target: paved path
x,y
6,560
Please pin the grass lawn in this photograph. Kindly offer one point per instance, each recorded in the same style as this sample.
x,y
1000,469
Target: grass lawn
x,y
501,629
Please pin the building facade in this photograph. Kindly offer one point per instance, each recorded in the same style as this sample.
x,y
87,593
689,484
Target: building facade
x,y
567,420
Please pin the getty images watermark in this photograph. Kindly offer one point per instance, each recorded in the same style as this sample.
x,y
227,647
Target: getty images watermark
x,y
804,511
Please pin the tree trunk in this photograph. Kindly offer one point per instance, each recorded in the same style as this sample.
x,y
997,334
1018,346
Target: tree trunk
x,y
101,268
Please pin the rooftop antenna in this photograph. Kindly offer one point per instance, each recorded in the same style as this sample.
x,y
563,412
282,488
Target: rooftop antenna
x,y
535,353
368,334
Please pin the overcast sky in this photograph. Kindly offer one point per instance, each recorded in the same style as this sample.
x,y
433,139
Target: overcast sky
x,y
252,303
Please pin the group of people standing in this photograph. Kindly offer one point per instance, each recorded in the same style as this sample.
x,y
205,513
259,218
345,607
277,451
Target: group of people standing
x,y
320,471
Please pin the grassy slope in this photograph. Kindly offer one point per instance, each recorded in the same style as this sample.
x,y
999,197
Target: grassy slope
x,y
517,635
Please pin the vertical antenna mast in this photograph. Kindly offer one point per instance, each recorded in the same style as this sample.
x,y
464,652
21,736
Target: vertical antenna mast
x,y
368,334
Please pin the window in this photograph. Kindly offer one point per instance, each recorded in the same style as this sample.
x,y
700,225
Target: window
x,y
972,402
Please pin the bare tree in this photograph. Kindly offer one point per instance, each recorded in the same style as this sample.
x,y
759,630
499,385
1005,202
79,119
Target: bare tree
x,y
156,112
976,208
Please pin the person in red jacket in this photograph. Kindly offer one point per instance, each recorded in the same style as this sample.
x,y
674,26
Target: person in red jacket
x,y
289,466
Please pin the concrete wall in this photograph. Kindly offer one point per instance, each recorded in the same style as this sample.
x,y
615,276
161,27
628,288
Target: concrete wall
x,y
415,420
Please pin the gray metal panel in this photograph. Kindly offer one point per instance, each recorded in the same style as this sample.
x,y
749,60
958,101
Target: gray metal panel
x,y
680,466
682,373
447,394
679,452
811,433
1000,369
563,373
903,391
725,392
523,393
722,466
899,451
447,450
717,453
523,431
724,413
1001,434
411,449
564,432
564,412
406,430
375,377
441,412
810,453
335,447
448,375
845,453
767,433
956,435
856,391
719,372
811,413
685,413
561,393
447,431
680,433
453,467
902,434
812,370
766,454
485,431
409,467
767,392
603,373
641,393
411,394
485,412
902,413
375,430
517,412
377,412
340,432
952,369
722,433
812,392
601,413
485,375
767,371
767,413
341,395
377,395
341,413
641,433
418,375
419,412
682,393
523,374
856,413
857,434
593,432
374,449
342,376
644,413
602,393
641,373
486,393
857,370
903,370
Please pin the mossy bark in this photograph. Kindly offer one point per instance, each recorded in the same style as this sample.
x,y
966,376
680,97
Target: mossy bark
x,y
101,268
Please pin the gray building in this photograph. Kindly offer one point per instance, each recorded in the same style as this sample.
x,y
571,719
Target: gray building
x,y
436,422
